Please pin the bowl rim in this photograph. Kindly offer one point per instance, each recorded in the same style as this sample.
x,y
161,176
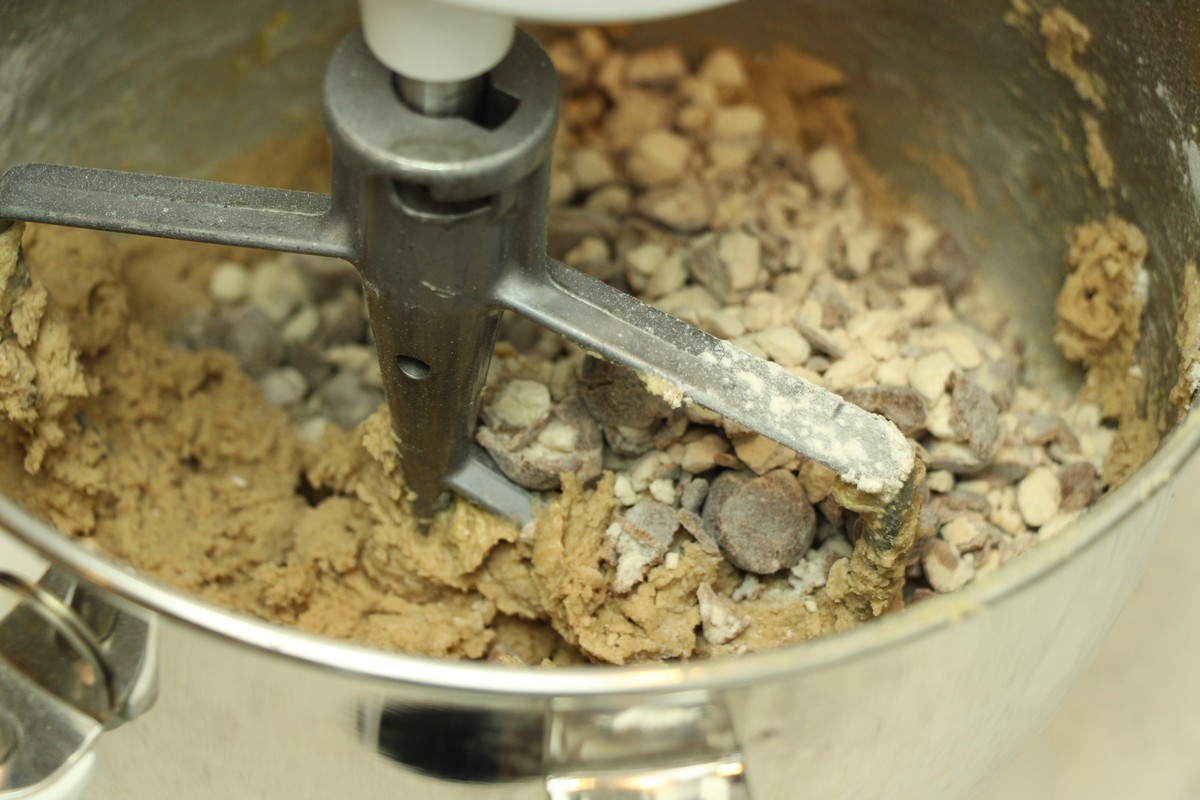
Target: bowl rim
x,y
478,679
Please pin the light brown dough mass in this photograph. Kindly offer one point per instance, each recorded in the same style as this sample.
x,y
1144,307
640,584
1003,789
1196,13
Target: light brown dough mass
x,y
1099,324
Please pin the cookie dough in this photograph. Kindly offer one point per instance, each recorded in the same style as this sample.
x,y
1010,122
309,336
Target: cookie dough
x,y
1099,325
1067,39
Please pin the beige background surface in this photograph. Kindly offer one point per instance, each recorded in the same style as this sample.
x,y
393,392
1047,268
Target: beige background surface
x,y
1131,728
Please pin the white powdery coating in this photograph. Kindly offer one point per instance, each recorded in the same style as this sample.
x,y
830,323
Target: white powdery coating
x,y
661,388
864,449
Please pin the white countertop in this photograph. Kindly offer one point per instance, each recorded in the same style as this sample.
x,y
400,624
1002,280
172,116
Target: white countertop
x,y
1131,727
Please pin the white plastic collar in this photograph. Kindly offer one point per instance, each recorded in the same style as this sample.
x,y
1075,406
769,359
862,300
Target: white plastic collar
x,y
452,40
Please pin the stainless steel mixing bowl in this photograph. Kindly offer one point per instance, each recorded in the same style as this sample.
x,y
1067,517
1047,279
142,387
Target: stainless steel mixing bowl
x,y
925,703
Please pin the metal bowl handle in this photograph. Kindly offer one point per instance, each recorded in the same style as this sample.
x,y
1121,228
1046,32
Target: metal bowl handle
x,y
55,700
67,624
679,748
51,710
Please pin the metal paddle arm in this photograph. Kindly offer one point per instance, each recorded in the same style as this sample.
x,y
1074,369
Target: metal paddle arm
x,y
445,220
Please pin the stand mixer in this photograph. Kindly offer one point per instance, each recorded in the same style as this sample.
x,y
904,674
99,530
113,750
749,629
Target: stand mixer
x,y
441,120
917,704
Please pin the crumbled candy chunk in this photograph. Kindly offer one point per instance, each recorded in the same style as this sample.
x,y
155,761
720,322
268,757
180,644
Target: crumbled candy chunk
x,y
719,617
974,416
639,540
828,170
900,404
570,442
657,158
944,568
762,524
1039,496
1078,483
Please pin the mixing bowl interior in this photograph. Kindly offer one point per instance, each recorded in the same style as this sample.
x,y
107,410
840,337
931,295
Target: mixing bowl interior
x,y
180,89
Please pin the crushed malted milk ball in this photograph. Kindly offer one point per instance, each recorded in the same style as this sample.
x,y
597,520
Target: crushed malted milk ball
x,y
737,122
723,68
591,169
283,387
1039,495
967,532
704,453
829,171
784,345
762,524
930,373
520,404
944,568
657,158
719,617
640,539
230,282
660,66
853,369
278,288
741,256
